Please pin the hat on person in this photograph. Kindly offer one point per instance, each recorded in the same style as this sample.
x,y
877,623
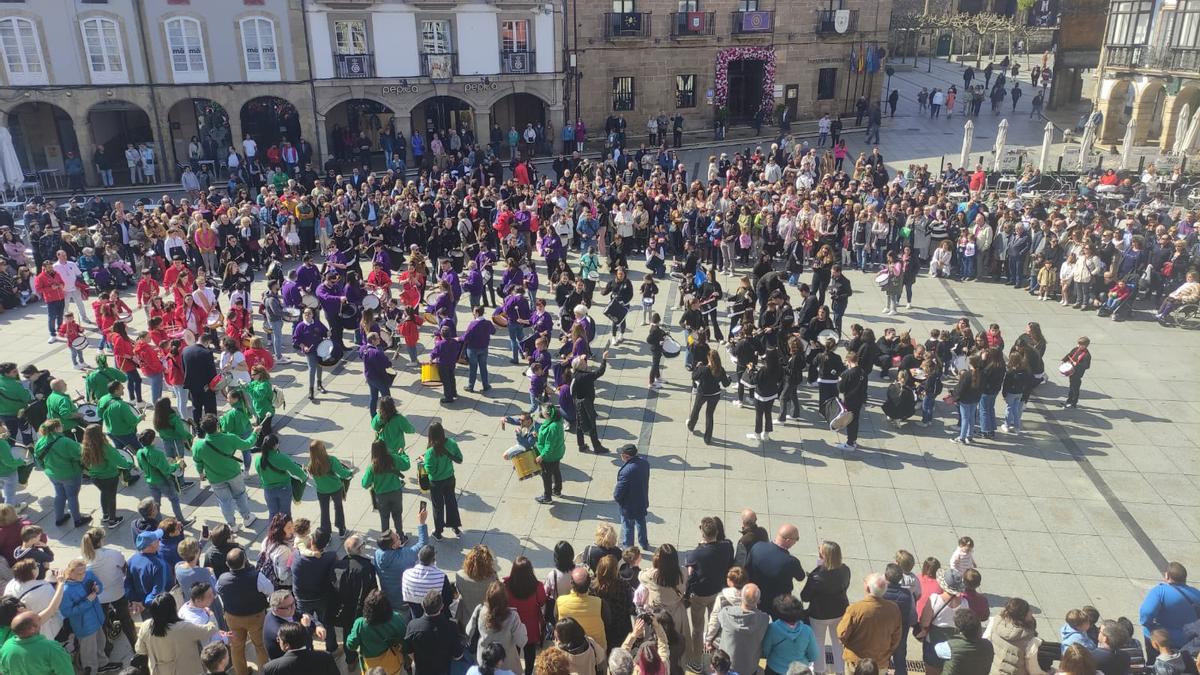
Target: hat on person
x,y
950,580
147,538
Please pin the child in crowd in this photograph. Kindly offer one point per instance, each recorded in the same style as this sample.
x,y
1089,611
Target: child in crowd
x,y
68,330
649,289
655,340
1169,661
36,547
631,566
907,562
1075,631
963,558
1046,280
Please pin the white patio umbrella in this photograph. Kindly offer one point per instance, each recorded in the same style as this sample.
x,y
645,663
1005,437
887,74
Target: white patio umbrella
x,y
1189,138
1181,126
1086,141
998,148
1127,144
14,175
968,136
1047,140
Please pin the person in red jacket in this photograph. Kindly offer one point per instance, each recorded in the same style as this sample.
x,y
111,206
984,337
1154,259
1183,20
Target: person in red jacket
x,y
978,179
125,359
150,363
147,290
173,359
258,355
69,330
49,285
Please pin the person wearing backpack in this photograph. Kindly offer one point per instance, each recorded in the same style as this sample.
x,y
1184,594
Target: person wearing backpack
x,y
1170,605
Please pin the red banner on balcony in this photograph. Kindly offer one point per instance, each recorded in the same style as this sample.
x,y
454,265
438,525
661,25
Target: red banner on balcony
x,y
756,22
695,22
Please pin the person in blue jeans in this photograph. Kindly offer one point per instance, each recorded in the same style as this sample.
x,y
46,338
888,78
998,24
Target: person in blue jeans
x,y
932,388
967,393
993,383
632,495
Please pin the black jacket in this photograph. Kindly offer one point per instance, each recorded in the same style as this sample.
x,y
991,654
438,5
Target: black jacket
x,y
825,592
993,379
852,385
583,386
708,384
302,662
199,367
433,643
353,579
707,565
839,288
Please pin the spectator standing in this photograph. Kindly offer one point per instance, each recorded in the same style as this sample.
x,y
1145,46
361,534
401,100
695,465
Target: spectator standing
x,y
432,639
243,591
789,640
632,495
772,568
870,628
825,593
739,631
905,600
967,653
707,566
584,608
170,643
1170,605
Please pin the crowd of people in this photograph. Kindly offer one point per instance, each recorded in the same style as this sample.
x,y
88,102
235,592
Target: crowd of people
x,y
378,273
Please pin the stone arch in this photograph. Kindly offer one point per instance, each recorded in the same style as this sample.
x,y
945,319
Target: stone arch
x,y
346,119
1148,112
518,109
113,124
1118,110
442,112
1188,95
42,132
205,119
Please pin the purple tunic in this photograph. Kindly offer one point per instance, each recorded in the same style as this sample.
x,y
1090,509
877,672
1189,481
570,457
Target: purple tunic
x,y
478,334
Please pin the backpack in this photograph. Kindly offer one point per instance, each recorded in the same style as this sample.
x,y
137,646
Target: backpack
x,y
266,567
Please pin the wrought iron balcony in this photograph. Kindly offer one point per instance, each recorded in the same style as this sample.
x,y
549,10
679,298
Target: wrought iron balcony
x,y
754,23
439,66
692,24
626,25
1125,56
354,65
828,21
518,62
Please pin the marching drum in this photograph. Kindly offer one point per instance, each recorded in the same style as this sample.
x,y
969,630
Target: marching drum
x,y
616,311
89,412
671,347
1066,368
291,314
593,275
125,317
214,319
429,375
309,300
827,334
129,476
836,414
429,318
325,349
500,320
79,344
347,311
525,465
243,268
370,301
881,279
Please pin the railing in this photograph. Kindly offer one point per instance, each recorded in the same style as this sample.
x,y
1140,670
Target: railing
x,y
1125,56
439,66
518,62
827,21
622,101
754,23
626,25
354,65
693,24
1184,58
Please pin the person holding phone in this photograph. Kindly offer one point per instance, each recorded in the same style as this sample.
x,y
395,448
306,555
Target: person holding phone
x,y
384,479
439,460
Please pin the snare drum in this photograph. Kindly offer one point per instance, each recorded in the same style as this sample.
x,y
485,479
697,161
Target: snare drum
x,y
881,279
670,347
79,344
213,320
525,465
243,268
593,275
90,413
309,300
291,314
429,375
347,311
1067,368
429,317
125,317
325,349
370,301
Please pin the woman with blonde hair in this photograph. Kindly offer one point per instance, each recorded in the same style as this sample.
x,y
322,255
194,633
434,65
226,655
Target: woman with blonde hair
x,y
825,593
1077,660
109,566
328,474
604,543
103,465
189,572
477,575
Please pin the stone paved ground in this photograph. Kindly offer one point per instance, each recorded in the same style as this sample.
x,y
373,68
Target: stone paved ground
x,y
1084,508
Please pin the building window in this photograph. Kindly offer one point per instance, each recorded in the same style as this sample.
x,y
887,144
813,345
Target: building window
x,y
1129,22
350,37
747,5
624,6
102,42
1187,24
258,44
514,36
187,50
826,83
22,52
689,5
622,93
685,91
435,37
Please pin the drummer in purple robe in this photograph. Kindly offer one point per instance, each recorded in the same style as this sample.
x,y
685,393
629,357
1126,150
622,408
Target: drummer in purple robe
x,y
476,339
308,276
516,310
330,295
306,335
377,369
445,357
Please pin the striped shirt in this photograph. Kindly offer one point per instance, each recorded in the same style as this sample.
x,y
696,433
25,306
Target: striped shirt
x,y
419,580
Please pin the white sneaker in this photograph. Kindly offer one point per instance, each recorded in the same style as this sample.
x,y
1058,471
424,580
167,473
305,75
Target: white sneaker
x,y
908,305
766,436
656,386
249,522
846,446
80,366
1004,428
752,436
51,340
738,404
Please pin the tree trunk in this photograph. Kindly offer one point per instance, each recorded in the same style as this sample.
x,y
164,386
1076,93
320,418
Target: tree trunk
x,y
995,39
979,53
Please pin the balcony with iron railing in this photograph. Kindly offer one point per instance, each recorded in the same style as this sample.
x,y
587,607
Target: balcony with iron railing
x,y
622,101
827,21
1184,59
439,65
693,24
517,62
354,65
624,25
753,23
1125,56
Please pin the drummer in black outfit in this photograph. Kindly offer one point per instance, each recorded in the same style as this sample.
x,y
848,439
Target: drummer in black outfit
x,y
709,378
709,294
621,288
852,385
1081,359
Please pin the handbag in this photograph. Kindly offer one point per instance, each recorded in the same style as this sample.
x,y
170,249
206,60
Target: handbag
x,y
391,661
423,478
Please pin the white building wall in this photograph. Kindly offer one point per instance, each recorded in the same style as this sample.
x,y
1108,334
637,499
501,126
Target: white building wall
x,y
478,40
321,45
395,36
543,38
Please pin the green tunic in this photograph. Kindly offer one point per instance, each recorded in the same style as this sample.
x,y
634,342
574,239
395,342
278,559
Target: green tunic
x,y
373,640
59,456
34,655
111,466
60,407
262,397
278,470
331,483
156,466
13,396
8,463
176,430
392,434
236,421
384,483
118,416
441,467
96,382
216,455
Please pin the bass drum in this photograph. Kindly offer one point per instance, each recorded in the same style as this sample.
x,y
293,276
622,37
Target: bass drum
x,y
671,348
836,414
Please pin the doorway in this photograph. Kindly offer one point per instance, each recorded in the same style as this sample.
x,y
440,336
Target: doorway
x,y
441,113
746,77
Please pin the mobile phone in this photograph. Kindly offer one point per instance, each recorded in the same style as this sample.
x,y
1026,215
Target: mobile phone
x,y
204,532
421,506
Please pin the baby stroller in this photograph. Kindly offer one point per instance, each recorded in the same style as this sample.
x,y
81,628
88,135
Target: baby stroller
x,y
1123,308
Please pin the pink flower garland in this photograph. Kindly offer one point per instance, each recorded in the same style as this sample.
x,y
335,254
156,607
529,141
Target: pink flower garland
x,y
764,54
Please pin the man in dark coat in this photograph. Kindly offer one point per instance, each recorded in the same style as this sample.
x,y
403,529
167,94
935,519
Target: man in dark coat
x,y
852,385
632,495
199,370
298,657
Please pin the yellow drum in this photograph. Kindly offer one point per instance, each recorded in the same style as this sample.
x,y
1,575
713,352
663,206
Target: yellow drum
x,y
525,464
429,375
